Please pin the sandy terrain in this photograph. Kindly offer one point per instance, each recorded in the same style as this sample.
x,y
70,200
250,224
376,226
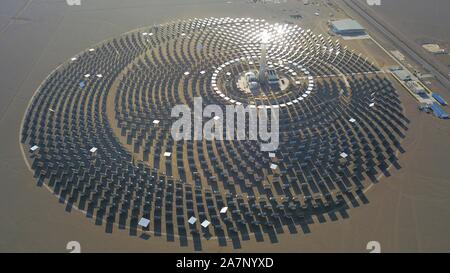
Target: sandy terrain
x,y
408,211
416,23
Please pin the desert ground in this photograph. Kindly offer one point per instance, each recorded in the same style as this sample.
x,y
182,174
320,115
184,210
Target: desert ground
x,y
408,211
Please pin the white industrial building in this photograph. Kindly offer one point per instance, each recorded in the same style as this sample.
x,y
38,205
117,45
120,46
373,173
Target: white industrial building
x,y
347,27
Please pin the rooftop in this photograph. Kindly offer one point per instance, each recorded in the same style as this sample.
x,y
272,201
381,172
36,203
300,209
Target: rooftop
x,y
403,75
347,24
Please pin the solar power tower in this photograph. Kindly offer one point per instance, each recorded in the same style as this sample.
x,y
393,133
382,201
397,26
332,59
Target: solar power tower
x,y
262,63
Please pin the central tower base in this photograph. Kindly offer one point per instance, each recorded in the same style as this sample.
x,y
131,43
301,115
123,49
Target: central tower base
x,y
250,82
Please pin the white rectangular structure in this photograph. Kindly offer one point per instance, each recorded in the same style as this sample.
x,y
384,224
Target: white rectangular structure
x,y
344,155
144,222
347,27
93,150
192,220
274,166
34,148
224,210
167,154
205,223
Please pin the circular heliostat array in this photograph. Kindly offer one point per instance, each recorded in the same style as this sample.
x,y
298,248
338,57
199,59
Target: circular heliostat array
x,y
98,131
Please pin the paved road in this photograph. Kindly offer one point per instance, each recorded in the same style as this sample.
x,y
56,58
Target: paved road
x,y
442,78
